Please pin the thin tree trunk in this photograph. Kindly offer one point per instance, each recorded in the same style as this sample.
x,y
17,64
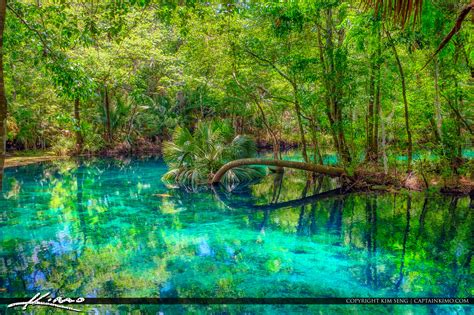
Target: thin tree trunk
x,y
300,123
358,176
335,93
378,102
3,99
317,157
107,115
370,115
405,102
378,106
439,121
256,99
77,118
276,143
459,142
327,93
384,144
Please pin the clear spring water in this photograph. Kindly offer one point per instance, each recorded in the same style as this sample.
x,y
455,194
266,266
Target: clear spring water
x,y
110,228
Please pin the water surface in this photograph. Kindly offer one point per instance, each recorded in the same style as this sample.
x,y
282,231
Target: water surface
x,y
110,228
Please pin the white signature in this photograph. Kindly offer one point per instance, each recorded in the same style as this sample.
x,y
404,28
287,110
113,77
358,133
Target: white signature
x,y
39,299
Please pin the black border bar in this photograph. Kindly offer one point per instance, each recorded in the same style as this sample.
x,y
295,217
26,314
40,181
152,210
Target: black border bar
x,y
267,301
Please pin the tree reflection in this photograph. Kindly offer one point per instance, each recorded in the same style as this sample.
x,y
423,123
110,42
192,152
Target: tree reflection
x,y
404,246
371,240
98,228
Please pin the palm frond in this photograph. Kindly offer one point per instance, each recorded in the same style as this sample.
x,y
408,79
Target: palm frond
x,y
242,175
243,147
194,158
399,11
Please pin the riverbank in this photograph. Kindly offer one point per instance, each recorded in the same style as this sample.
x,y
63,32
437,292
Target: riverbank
x,y
460,185
35,157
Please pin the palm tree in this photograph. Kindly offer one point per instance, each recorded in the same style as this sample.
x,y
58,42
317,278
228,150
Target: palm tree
x,y
194,158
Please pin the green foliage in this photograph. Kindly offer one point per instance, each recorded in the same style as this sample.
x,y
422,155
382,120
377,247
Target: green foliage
x,y
63,146
159,65
195,157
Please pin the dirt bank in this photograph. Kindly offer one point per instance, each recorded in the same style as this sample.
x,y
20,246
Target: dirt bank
x,y
12,161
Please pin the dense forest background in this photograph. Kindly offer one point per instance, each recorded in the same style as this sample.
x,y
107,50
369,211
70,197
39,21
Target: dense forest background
x,y
329,77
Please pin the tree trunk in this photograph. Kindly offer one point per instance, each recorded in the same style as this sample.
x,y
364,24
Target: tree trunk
x,y
370,115
334,92
326,170
345,154
384,144
378,102
300,123
3,99
276,143
378,106
107,115
405,102
317,157
369,178
439,121
77,120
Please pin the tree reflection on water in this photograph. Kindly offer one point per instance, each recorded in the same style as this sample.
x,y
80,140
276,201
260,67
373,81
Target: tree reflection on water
x,y
105,228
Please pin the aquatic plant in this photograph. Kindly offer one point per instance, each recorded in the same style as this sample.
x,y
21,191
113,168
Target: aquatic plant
x,y
194,157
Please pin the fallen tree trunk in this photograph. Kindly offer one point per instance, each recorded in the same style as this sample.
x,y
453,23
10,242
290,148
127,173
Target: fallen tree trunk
x,y
315,168
359,179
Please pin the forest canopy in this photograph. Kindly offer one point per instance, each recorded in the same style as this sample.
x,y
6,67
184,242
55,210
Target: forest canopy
x,y
328,77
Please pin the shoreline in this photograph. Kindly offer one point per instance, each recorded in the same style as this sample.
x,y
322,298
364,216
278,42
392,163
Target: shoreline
x,y
14,161
461,188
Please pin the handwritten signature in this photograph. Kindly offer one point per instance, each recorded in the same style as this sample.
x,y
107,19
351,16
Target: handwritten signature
x,y
56,302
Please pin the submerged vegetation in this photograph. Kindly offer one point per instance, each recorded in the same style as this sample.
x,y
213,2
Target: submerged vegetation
x,y
376,87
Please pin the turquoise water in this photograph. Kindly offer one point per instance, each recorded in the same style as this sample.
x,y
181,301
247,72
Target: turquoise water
x,y
332,159
110,228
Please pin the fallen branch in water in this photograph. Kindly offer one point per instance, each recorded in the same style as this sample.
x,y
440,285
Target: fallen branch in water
x,y
358,179
315,168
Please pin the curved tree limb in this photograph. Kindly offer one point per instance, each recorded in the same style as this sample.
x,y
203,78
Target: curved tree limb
x,y
359,179
316,168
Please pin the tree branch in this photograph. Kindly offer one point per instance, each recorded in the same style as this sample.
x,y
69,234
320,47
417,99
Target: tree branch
x,y
32,29
454,30
271,64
